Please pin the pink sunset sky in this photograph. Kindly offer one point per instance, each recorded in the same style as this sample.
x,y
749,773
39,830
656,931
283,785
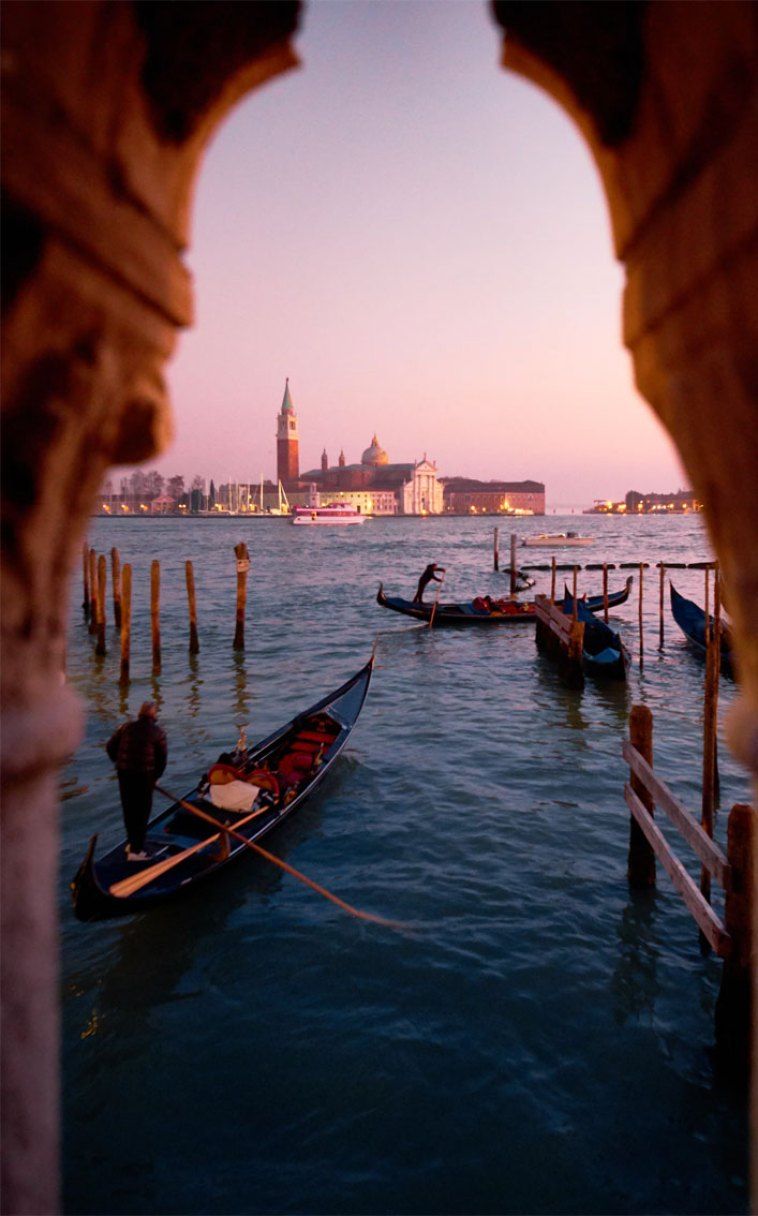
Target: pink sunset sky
x,y
418,239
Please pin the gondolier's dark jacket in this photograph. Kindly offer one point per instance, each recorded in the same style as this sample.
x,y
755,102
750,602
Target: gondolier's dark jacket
x,y
139,747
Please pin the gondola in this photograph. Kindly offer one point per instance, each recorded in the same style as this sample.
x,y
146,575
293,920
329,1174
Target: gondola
x,y
514,612
603,652
690,618
271,779
615,598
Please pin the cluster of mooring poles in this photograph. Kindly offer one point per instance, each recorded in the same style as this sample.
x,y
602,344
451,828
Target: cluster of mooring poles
x,y
94,577
560,646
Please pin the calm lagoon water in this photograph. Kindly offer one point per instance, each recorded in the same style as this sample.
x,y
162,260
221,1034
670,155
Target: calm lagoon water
x,y
540,1042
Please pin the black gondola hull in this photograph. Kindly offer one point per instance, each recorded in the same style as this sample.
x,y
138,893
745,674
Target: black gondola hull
x,y
604,655
193,864
452,614
690,618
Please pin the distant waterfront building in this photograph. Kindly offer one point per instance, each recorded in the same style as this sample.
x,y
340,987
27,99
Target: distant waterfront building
x,y
287,442
465,496
666,504
378,487
680,503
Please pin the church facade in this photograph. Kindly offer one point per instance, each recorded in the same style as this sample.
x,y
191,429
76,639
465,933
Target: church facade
x,y
377,487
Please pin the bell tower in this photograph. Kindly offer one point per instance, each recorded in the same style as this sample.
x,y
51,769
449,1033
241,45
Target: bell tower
x,y
287,441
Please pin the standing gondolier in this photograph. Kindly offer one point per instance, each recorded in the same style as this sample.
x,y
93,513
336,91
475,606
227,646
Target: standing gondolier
x,y
427,577
139,750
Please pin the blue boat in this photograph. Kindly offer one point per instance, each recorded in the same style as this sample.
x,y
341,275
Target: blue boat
x,y
690,618
603,652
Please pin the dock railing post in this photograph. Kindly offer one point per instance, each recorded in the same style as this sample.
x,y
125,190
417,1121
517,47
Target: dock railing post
x,y
574,668
734,1000
641,859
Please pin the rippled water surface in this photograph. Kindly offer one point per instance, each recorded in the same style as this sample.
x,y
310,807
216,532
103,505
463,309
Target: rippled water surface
x,y
540,1041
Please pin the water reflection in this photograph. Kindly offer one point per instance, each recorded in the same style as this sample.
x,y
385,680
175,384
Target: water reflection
x,y
635,981
156,692
152,952
195,685
241,693
615,697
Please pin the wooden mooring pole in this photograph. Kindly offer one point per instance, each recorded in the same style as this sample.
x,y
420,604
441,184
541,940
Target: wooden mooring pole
x,y
514,571
92,590
85,579
101,589
194,642
496,550
573,591
642,634
605,592
552,581
710,725
126,622
734,1003
641,859
243,565
155,613
661,598
707,594
116,580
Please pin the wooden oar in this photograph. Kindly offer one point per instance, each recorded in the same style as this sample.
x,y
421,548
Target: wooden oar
x,y
283,865
437,600
135,882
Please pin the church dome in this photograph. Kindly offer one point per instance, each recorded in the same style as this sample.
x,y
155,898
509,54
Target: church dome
x,y
375,454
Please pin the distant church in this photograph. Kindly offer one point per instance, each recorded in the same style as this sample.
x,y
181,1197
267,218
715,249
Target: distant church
x,y
379,487
374,486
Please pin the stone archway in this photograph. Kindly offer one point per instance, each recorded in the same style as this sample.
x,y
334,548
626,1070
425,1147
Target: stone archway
x,y
108,109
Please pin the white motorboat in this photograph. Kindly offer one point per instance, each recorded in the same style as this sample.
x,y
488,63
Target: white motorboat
x,y
556,540
334,513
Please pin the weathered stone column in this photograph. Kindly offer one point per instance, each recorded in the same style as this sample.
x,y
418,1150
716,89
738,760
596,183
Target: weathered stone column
x,y
107,111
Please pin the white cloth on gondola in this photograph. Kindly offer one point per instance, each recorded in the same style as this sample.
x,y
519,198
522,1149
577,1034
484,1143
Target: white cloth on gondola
x,y
234,795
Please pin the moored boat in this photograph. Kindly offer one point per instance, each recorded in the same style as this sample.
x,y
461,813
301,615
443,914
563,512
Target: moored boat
x,y
603,652
595,603
251,792
556,540
690,618
334,513
475,612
